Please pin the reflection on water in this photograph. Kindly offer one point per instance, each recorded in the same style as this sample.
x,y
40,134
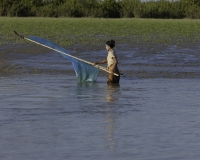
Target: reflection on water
x,y
87,90
108,93
112,92
110,125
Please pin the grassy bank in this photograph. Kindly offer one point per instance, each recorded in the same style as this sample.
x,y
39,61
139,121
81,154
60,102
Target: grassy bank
x,y
86,31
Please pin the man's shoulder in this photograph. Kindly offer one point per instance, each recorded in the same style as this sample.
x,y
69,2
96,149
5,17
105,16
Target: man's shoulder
x,y
112,52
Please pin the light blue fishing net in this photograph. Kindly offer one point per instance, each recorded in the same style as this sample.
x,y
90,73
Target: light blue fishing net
x,y
84,71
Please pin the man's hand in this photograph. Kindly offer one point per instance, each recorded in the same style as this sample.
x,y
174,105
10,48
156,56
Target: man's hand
x,y
95,63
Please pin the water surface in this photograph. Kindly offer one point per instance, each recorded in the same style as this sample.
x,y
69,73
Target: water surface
x,y
52,116
45,113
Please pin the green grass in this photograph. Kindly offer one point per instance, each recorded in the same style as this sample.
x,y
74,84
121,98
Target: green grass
x,y
91,31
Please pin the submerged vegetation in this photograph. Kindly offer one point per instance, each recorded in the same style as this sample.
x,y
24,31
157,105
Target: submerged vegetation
x,y
101,8
94,31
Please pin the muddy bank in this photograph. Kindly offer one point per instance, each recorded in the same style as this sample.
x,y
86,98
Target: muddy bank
x,y
135,61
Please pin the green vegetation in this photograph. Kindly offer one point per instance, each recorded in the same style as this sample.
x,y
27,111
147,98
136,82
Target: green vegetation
x,y
101,8
93,31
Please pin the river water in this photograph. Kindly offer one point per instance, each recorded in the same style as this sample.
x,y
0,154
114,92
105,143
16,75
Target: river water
x,y
53,116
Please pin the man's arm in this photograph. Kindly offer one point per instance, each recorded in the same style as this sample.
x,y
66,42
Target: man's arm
x,y
101,62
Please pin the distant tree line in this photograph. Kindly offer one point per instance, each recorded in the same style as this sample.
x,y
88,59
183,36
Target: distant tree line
x,y
101,8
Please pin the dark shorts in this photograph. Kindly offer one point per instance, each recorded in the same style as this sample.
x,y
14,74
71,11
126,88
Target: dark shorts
x,y
112,78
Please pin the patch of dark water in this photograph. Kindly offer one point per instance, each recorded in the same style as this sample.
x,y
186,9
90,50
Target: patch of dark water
x,y
135,61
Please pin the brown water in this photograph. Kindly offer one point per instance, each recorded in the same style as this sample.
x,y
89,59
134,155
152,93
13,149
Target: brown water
x,y
45,113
